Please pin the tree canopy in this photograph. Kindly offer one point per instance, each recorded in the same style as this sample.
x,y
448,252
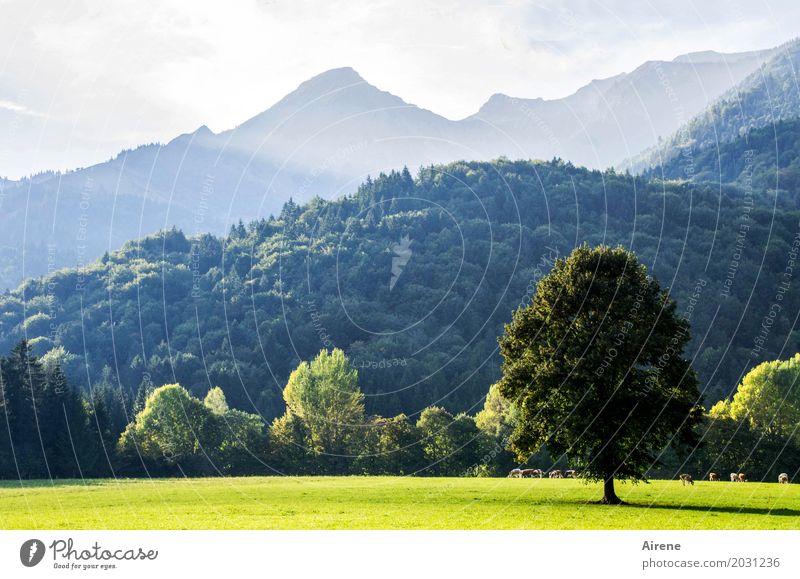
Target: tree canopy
x,y
595,365
325,395
768,399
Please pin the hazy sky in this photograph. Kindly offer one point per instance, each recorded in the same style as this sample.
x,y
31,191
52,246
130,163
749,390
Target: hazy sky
x,y
80,80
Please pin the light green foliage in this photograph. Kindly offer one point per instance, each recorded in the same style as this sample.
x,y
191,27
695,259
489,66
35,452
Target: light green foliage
x,y
215,401
59,356
768,399
499,416
175,428
171,426
325,395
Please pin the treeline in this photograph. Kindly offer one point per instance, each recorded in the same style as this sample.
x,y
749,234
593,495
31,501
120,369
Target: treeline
x,y
49,429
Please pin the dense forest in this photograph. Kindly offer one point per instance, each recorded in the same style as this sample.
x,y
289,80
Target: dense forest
x,y
413,279
763,159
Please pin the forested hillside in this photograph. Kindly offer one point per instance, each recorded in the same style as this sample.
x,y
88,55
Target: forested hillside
x,y
765,158
414,279
321,139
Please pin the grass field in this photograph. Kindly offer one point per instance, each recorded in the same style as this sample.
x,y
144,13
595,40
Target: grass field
x,y
392,503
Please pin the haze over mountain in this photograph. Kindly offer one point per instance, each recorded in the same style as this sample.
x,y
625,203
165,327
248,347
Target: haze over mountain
x,y
610,119
766,97
323,139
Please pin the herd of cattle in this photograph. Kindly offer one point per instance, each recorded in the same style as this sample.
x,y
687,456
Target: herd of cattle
x,y
537,472
686,479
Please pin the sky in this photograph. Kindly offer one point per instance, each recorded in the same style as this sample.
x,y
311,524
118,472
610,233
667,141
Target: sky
x,y
81,80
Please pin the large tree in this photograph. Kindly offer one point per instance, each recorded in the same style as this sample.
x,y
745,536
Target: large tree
x,y
594,364
172,427
324,394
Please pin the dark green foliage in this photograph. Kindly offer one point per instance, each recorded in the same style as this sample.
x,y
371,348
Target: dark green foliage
x,y
46,430
390,446
451,444
242,312
595,365
763,159
734,446
52,430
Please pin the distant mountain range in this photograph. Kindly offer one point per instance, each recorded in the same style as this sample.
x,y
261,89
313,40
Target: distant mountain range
x,y
323,139
766,97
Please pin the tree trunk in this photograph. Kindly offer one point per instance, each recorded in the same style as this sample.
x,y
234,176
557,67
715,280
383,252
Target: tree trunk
x,y
609,496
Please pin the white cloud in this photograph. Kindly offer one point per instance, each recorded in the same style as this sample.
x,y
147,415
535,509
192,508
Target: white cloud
x,y
112,75
17,108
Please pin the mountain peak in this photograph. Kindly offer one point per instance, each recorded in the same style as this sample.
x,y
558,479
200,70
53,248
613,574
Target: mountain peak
x,y
498,101
333,79
321,100
203,131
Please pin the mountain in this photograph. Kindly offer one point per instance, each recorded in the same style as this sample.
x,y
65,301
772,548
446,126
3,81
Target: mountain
x,y
333,129
414,278
609,120
767,96
323,139
339,122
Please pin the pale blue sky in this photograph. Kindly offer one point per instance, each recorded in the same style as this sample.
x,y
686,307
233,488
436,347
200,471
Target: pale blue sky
x,y
79,80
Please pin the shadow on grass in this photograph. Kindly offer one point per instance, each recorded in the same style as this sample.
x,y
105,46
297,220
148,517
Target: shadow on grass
x,y
728,510
54,483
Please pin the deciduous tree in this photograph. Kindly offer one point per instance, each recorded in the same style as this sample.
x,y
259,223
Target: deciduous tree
x,y
595,365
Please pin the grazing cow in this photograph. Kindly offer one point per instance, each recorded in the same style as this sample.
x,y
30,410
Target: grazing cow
x,y
570,474
686,479
742,477
712,476
734,477
528,473
556,474
515,473
783,478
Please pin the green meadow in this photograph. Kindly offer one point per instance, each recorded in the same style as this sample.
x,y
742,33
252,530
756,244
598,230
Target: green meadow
x,y
391,503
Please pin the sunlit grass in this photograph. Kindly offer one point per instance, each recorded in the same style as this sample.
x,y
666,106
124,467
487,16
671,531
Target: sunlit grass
x,y
391,503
